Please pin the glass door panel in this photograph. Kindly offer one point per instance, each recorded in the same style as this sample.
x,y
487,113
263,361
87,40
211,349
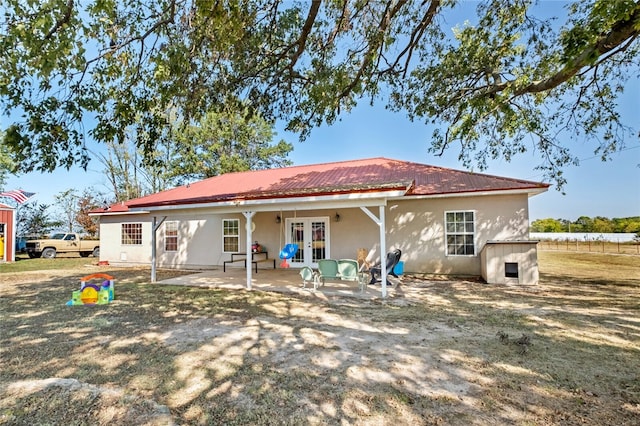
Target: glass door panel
x,y
311,235
318,240
297,237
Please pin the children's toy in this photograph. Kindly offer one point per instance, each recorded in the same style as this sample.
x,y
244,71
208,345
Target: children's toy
x,y
256,247
91,293
287,252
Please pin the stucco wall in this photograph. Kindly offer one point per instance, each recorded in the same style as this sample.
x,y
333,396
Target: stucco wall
x,y
111,248
414,226
417,228
199,240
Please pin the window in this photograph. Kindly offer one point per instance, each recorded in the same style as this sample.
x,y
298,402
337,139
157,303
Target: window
x,y
460,233
171,236
230,235
131,234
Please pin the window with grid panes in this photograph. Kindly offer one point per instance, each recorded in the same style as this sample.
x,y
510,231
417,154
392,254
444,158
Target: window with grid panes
x,y
460,233
171,236
131,234
230,235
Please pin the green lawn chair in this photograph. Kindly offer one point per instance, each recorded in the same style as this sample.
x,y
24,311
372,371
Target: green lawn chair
x,y
308,276
328,270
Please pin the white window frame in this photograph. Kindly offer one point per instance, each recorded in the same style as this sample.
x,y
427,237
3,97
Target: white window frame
x,y
460,228
174,237
130,225
230,236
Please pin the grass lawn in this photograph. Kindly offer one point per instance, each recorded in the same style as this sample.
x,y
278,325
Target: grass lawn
x,y
564,352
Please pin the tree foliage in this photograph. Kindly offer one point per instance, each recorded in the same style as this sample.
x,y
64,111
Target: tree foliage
x,y
6,164
67,204
34,219
547,225
587,224
224,142
122,167
504,83
89,200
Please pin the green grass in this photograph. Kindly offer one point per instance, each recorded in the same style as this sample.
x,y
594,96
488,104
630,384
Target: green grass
x,y
62,262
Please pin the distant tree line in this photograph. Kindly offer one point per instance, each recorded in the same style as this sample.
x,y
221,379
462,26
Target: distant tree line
x,y
588,224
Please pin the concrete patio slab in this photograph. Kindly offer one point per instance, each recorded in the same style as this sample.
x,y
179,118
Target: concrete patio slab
x,y
276,280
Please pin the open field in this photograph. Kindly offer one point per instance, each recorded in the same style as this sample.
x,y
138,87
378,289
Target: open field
x,y
591,246
565,352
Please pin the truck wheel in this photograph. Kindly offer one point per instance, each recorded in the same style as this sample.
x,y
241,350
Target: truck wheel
x,y
96,252
33,255
49,253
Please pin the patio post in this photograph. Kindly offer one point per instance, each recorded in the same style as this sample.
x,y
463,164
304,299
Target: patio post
x,y
249,227
380,221
155,226
383,252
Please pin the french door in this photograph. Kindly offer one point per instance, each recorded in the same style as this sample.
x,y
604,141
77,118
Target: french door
x,y
311,234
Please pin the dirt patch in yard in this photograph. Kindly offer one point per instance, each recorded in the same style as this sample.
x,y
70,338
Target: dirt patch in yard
x,y
439,352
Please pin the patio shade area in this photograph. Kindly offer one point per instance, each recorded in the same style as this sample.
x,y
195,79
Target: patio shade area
x,y
280,280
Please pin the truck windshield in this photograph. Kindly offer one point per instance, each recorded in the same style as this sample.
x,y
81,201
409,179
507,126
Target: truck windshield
x,y
57,236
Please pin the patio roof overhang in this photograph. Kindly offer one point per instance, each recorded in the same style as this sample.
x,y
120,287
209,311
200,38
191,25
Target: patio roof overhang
x,y
272,204
362,195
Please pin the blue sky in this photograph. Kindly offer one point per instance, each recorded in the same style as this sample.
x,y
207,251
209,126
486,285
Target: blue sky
x,y
595,188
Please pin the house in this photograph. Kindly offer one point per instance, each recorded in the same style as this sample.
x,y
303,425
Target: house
x,y
442,219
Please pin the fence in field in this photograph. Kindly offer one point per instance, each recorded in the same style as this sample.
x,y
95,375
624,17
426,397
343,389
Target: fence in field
x,y
591,242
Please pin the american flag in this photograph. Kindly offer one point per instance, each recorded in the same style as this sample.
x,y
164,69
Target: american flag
x,y
18,194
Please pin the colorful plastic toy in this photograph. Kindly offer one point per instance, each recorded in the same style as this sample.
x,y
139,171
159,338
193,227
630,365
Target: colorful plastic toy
x,y
287,252
93,294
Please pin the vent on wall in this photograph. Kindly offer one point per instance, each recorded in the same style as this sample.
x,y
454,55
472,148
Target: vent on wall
x,y
511,269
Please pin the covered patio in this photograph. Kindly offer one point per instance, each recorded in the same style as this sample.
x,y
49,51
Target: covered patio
x,y
283,281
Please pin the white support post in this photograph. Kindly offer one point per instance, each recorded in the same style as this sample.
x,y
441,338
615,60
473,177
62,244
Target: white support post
x,y
380,221
249,231
154,229
383,253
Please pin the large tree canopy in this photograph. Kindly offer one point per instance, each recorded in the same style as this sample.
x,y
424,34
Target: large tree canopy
x,y
502,83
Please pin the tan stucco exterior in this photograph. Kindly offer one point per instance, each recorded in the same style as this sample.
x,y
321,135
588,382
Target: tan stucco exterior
x,y
414,225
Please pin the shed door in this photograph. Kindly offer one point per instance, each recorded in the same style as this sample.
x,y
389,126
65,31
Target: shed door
x,y
2,242
311,234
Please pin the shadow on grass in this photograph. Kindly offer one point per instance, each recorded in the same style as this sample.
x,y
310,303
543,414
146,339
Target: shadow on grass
x,y
238,357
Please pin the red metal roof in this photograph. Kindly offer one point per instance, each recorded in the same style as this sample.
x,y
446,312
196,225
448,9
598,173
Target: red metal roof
x,y
357,176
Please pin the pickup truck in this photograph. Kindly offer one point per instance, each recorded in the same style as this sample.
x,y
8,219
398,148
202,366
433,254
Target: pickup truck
x,y
62,243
